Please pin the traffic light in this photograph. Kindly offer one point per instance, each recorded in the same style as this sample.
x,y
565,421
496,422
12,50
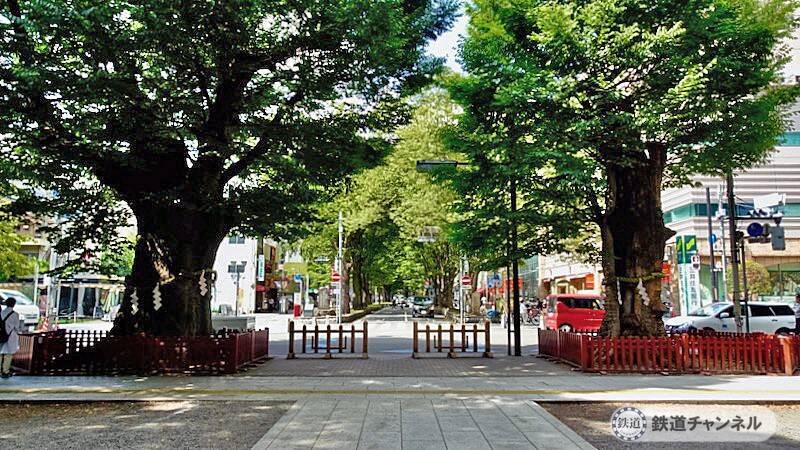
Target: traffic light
x,y
778,238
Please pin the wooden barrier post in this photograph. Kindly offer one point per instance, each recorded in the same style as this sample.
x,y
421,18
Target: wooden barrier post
x,y
487,350
586,361
414,341
427,338
452,353
341,336
352,338
439,333
303,339
365,352
290,354
787,353
328,342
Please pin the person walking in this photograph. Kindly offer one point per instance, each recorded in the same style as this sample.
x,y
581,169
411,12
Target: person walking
x,y
796,308
9,336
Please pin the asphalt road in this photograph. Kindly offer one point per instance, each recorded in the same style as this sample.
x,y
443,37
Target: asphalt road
x,y
397,314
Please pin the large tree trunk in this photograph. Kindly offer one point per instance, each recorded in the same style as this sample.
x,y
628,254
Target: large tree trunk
x,y
633,238
173,266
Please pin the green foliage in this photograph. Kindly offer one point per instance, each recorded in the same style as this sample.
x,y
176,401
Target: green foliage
x,y
12,262
246,108
387,208
560,92
758,280
118,261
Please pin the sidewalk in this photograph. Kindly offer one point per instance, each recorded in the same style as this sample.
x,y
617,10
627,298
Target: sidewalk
x,y
408,412
571,387
423,424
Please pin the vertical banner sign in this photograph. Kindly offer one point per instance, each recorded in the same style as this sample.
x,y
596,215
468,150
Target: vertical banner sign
x,y
686,247
690,247
261,264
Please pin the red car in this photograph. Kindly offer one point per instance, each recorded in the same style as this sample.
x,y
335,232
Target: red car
x,y
569,312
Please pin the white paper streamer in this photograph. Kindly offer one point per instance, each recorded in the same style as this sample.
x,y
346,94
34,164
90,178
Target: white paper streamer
x,y
156,298
643,293
134,301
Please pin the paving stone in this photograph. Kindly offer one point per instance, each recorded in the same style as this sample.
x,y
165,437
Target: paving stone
x,y
296,439
335,444
424,445
380,440
513,445
471,440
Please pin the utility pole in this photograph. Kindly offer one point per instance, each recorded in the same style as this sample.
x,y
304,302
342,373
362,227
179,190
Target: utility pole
x,y
723,257
744,288
714,278
515,269
732,211
462,307
339,256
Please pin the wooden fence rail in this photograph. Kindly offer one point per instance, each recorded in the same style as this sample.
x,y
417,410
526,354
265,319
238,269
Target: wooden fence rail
x,y
755,353
310,343
455,340
97,353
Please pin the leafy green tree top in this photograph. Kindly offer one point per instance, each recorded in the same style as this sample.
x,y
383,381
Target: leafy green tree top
x,y
12,262
595,105
201,116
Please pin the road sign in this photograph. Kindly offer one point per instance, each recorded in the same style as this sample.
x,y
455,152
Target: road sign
x,y
298,278
261,267
713,238
335,277
685,246
466,280
755,229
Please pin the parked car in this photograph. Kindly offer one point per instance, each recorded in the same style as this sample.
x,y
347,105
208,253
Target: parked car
x,y
28,310
569,312
765,317
422,307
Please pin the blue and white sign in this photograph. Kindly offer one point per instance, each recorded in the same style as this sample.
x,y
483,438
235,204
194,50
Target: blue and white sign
x,y
298,278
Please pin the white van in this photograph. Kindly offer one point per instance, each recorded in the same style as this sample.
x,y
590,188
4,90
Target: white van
x,y
28,310
772,318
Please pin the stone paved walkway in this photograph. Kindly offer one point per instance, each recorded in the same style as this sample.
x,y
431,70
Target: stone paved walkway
x,y
405,366
420,424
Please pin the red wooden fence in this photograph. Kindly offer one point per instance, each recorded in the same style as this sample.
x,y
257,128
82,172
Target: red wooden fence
x,y
97,353
454,340
755,353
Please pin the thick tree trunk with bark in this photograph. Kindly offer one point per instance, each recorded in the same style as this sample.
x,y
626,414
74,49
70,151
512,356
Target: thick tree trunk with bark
x,y
169,289
633,238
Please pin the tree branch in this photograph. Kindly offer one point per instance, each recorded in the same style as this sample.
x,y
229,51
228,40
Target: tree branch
x,y
262,145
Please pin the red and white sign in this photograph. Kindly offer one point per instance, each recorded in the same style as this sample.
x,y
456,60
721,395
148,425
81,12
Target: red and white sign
x,y
335,277
466,280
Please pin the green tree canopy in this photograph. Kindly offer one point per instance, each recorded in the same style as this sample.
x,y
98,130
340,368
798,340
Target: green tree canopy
x,y
388,207
610,100
12,262
201,116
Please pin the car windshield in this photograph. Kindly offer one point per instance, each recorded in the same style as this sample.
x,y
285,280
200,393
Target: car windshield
x,y
709,310
18,296
421,301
